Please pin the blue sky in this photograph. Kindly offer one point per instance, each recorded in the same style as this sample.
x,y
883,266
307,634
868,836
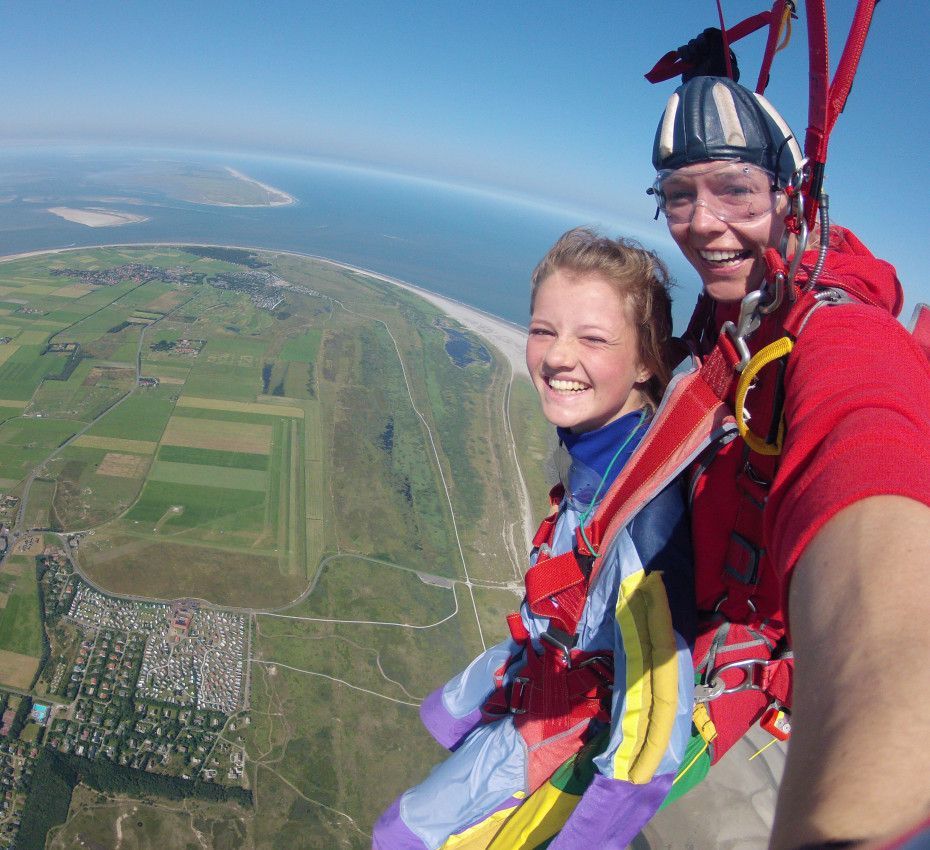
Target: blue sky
x,y
540,98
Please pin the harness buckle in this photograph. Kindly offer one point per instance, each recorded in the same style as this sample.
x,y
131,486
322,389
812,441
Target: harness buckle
x,y
516,697
560,640
596,663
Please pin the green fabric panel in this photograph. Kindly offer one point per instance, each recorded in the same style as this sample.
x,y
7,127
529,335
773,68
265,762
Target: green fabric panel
x,y
697,772
576,774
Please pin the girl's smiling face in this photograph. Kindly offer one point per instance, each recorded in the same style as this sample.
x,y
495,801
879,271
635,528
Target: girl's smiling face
x,y
582,352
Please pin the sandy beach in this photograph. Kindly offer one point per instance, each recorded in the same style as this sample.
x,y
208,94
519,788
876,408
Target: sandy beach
x,y
277,197
96,216
508,338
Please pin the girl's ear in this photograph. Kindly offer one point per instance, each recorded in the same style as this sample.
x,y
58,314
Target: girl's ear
x,y
643,375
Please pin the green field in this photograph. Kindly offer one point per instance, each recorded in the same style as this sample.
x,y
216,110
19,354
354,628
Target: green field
x,y
201,505
20,629
21,374
140,417
223,477
212,457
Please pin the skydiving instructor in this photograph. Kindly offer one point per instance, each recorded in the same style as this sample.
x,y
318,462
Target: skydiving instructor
x,y
812,534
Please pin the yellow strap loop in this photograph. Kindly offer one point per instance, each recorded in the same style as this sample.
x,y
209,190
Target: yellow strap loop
x,y
773,351
785,29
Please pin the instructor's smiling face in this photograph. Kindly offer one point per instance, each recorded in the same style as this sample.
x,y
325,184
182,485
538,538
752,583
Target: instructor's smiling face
x,y
582,352
728,255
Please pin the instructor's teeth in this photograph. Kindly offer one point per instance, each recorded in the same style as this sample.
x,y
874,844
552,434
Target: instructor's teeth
x,y
722,256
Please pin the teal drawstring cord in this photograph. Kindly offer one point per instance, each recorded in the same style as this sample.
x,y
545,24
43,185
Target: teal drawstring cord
x,y
589,510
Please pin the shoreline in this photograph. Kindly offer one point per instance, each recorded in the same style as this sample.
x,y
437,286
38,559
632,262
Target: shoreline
x,y
507,338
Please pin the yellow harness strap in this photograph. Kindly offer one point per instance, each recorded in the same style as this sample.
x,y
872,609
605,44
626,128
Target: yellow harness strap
x,y
703,723
773,351
784,29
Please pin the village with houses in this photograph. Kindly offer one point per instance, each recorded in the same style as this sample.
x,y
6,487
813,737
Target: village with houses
x,y
142,686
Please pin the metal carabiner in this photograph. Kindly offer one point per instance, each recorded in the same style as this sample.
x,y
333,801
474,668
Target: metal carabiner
x,y
747,666
748,322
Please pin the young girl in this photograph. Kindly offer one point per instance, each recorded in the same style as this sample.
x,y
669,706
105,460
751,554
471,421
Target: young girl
x,y
580,669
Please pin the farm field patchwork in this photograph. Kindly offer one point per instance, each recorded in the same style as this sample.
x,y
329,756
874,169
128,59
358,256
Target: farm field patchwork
x,y
322,464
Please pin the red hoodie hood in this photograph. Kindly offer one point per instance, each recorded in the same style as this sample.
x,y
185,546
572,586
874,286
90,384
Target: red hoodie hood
x,y
852,267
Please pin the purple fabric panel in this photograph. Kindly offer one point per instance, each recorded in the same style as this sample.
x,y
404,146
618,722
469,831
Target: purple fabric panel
x,y
446,729
391,833
611,813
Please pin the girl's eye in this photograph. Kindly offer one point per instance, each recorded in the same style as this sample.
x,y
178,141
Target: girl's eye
x,y
595,339
540,332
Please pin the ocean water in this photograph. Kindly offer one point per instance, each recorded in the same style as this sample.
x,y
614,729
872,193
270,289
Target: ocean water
x,y
469,245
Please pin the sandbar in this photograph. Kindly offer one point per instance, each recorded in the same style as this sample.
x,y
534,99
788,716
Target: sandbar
x,y
96,216
277,197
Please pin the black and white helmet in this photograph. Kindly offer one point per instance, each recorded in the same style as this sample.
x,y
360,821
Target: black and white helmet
x,y
715,118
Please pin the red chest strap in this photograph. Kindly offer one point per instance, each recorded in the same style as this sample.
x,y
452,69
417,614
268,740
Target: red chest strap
x,y
547,527
557,588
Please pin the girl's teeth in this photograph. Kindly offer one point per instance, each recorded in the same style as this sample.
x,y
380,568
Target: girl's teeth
x,y
566,386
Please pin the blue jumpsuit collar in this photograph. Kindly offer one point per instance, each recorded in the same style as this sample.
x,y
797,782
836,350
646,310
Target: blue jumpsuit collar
x,y
592,452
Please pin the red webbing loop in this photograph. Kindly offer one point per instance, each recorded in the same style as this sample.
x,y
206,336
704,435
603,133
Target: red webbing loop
x,y
557,588
849,61
777,679
671,66
828,99
551,576
726,41
518,629
776,19
750,25
547,526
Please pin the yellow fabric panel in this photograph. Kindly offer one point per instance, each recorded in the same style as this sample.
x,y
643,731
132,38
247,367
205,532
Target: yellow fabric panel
x,y
664,679
479,836
630,618
536,821
645,622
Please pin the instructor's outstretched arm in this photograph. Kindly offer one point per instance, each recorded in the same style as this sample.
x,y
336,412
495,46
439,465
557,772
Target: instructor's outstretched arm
x,y
858,762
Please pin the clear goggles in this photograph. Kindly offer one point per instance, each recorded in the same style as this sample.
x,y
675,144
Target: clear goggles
x,y
730,191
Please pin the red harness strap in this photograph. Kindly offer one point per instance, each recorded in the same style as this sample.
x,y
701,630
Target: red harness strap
x,y
556,693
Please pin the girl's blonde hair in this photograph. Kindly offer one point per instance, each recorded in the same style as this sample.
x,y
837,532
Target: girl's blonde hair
x,y
640,278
